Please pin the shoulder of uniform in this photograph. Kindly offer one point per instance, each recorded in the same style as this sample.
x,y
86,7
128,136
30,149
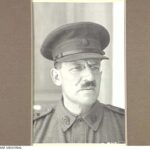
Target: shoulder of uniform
x,y
40,111
115,109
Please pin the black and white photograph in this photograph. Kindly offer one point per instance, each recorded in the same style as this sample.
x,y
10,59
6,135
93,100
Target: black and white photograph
x,y
79,72
74,73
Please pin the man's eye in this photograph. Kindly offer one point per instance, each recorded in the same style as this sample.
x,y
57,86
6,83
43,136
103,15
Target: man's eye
x,y
76,68
95,67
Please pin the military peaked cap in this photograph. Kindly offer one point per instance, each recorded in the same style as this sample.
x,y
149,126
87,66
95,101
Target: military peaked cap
x,y
76,41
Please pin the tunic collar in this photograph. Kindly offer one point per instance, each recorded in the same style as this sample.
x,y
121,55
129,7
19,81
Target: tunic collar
x,y
93,117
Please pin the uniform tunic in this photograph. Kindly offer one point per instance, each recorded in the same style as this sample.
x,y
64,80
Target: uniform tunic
x,y
102,124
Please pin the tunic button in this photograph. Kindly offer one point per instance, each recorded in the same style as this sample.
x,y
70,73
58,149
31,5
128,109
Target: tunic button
x,y
66,120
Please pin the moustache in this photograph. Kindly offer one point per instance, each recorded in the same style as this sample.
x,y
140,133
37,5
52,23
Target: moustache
x,y
88,84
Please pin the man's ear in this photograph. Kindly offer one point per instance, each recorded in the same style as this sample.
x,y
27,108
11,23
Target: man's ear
x,y
55,75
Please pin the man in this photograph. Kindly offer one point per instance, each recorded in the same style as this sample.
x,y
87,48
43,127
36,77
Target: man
x,y
77,50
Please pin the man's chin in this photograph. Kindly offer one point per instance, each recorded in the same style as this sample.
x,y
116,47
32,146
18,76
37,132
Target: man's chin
x,y
88,95
88,100
88,91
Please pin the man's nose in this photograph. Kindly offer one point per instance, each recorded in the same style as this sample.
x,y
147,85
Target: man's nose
x,y
88,74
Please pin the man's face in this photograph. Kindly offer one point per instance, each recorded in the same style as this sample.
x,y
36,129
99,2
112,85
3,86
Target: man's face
x,y
80,80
